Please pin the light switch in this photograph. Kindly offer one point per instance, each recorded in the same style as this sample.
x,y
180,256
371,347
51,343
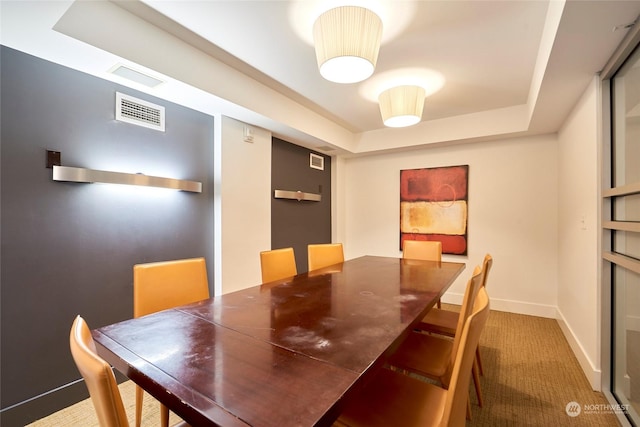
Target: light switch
x,y
248,134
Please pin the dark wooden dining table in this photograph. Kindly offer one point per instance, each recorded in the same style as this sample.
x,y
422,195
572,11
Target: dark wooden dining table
x,y
285,353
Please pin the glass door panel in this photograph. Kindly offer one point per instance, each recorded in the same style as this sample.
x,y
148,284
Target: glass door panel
x,y
626,361
625,237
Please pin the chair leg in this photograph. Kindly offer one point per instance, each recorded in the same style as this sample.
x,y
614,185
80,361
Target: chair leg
x,y
139,397
164,416
439,303
476,382
468,409
479,360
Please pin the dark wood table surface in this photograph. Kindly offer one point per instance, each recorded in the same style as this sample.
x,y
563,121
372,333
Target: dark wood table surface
x,y
286,353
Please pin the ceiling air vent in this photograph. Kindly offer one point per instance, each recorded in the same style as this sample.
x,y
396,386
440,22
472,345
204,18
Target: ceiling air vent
x,y
316,162
135,76
138,112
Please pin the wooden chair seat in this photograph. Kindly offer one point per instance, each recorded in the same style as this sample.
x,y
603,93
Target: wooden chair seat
x,y
440,321
414,349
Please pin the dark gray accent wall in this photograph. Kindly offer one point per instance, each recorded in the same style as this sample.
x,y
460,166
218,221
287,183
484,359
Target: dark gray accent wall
x,y
69,248
297,224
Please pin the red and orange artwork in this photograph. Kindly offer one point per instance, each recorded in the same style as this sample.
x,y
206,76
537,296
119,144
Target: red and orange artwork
x,y
434,206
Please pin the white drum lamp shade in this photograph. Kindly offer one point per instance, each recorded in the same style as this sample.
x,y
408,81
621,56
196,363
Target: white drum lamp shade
x,y
401,106
347,41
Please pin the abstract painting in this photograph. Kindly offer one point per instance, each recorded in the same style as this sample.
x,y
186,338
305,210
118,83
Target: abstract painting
x,y
434,206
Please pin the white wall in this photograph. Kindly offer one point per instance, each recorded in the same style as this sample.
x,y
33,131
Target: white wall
x,y
578,285
513,206
245,204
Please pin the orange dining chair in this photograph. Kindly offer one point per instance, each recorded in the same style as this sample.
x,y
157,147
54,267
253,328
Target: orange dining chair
x,y
444,322
422,249
324,254
426,250
393,399
433,356
98,376
277,264
159,286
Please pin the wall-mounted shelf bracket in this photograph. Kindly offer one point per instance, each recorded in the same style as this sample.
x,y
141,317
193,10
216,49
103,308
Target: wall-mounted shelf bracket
x,y
297,195
72,174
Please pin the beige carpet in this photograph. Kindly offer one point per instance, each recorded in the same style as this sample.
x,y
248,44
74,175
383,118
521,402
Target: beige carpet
x,y
530,375
82,414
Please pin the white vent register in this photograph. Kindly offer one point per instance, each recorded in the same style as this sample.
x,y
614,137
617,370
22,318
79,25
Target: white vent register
x,y
139,112
316,162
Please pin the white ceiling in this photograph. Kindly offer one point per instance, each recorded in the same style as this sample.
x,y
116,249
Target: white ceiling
x,y
509,67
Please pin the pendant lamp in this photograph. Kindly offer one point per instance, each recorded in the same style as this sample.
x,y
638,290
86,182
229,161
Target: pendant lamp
x,y
401,106
347,41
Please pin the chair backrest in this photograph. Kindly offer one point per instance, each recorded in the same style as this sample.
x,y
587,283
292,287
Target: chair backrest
x,y
422,249
277,264
322,255
98,376
161,285
487,263
473,286
456,401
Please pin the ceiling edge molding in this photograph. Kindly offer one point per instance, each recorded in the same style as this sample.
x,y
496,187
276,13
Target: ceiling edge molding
x,y
549,34
93,23
469,127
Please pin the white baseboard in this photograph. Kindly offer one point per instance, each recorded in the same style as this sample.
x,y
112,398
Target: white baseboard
x,y
593,375
509,306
